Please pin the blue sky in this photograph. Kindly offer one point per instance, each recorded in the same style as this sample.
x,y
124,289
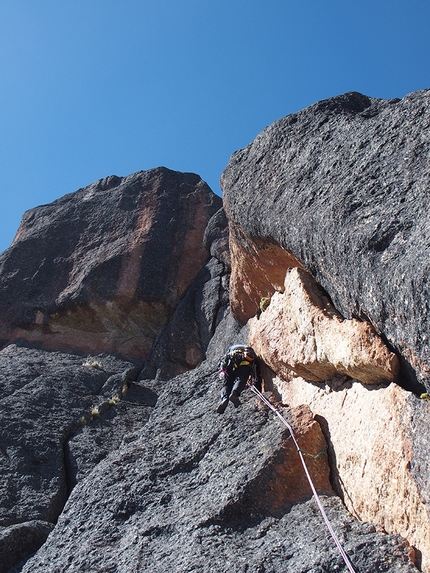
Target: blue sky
x,y
90,88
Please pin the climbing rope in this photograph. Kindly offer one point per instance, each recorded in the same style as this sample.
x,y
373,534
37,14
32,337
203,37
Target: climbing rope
x,y
314,491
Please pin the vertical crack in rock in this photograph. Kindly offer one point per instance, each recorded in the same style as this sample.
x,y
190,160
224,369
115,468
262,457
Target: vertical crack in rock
x,y
109,423
374,448
44,397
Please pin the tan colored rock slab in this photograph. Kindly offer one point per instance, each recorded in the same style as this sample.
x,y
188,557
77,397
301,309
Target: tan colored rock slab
x,y
301,331
257,271
288,482
374,454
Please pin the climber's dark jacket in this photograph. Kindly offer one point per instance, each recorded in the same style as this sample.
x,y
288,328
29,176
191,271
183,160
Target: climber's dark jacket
x,y
236,368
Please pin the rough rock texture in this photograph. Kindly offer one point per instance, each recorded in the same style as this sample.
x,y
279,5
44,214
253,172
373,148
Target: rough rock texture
x,y
216,239
182,344
193,490
378,445
45,397
20,541
93,441
301,331
129,464
104,268
342,188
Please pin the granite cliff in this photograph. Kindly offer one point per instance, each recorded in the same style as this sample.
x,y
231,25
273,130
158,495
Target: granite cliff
x,y
103,269
116,303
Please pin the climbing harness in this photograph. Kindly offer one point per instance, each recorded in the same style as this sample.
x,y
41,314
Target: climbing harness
x,y
314,491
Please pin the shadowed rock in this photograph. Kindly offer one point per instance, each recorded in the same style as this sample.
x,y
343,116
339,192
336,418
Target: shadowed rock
x,y
19,541
104,268
182,344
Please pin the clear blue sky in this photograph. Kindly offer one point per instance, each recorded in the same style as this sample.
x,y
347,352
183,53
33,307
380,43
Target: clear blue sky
x,y
90,88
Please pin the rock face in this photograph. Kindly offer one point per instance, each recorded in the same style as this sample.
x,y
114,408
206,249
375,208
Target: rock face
x,y
341,189
190,489
301,331
103,269
112,455
45,398
379,455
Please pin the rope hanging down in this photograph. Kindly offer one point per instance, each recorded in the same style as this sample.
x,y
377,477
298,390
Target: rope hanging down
x,y
314,491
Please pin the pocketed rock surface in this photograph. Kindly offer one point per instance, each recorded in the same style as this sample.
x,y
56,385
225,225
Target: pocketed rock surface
x,y
192,490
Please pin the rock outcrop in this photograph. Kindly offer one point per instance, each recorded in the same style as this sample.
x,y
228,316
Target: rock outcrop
x,y
300,331
103,269
116,304
45,398
340,189
378,445
190,489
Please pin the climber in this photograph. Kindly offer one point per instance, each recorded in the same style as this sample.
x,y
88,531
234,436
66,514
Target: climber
x,y
236,367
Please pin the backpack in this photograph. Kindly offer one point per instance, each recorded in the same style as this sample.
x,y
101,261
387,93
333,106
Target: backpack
x,y
238,355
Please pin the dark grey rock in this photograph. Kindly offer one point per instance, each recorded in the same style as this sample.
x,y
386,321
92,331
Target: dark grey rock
x,y
182,345
103,269
56,394
228,332
92,442
344,186
184,494
18,542
216,238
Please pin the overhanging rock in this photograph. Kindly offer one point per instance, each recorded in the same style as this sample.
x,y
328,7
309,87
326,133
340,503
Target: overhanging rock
x,y
343,186
301,331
